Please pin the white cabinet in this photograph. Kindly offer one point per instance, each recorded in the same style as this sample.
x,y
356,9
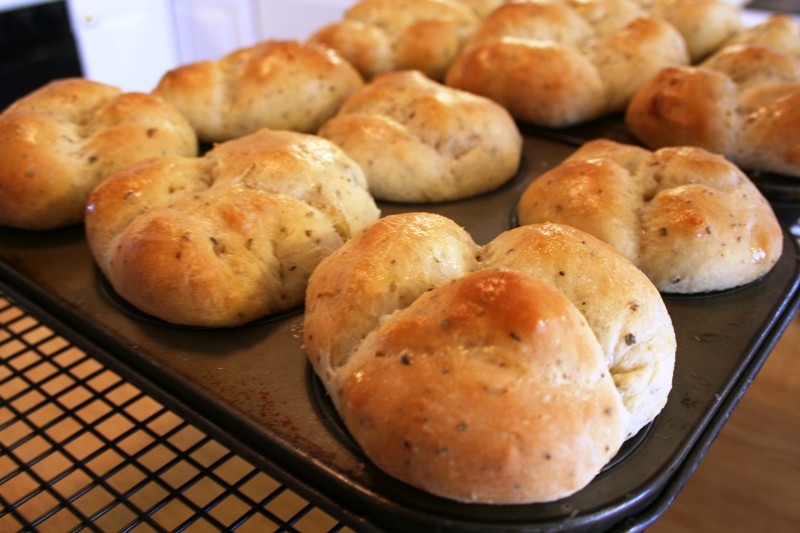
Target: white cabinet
x,y
132,43
207,29
128,43
297,19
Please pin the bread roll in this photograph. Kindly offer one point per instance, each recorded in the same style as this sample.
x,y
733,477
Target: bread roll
x,y
420,141
691,220
742,102
483,7
59,141
384,35
509,373
281,85
705,24
780,31
223,239
550,65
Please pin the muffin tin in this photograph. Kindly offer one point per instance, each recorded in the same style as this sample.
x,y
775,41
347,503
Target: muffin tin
x,y
253,389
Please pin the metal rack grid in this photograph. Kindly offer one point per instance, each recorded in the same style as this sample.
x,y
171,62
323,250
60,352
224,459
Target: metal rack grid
x,y
81,449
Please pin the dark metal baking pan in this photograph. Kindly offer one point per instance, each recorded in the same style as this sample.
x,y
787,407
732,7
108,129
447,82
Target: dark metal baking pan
x,y
252,388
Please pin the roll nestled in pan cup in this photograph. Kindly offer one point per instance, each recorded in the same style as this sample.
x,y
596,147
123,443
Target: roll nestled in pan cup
x,y
742,102
549,66
62,139
280,85
483,7
224,239
691,220
780,31
386,35
507,373
420,141
705,24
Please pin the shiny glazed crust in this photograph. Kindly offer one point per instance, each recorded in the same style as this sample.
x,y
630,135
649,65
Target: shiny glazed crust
x,y
229,237
281,85
742,102
509,373
691,220
420,141
554,65
705,24
385,35
59,141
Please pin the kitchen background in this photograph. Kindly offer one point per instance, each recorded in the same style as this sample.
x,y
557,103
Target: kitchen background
x,y
132,43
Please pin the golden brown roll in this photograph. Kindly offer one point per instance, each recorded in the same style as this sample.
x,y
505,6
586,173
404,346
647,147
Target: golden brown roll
x,y
483,7
281,85
229,237
509,373
59,141
706,25
742,102
554,65
691,220
420,141
384,35
780,31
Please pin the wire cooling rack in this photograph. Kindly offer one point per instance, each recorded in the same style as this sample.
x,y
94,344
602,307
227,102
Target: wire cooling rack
x,y
82,449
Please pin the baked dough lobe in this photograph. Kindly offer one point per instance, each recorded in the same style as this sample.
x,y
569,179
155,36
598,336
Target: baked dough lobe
x,y
557,64
59,141
420,141
692,221
280,85
223,239
742,102
706,25
495,354
385,35
505,373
